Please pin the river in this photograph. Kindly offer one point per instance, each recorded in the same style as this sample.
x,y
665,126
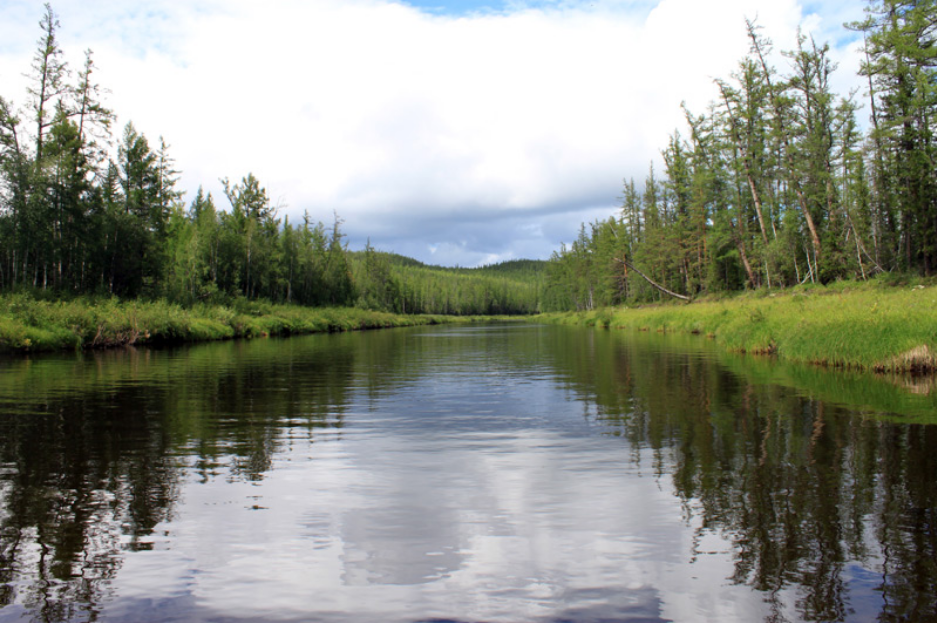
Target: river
x,y
469,473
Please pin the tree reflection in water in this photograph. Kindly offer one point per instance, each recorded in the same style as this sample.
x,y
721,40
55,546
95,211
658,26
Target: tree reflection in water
x,y
93,450
80,488
817,499
811,495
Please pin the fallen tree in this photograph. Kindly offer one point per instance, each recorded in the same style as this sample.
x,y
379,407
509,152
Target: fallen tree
x,y
629,266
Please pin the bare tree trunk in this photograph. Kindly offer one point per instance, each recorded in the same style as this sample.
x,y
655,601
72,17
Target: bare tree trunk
x,y
748,171
745,262
757,200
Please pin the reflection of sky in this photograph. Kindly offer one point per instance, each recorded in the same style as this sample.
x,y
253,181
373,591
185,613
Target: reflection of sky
x,y
462,496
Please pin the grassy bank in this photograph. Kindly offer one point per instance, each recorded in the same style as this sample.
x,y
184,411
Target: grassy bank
x,y
864,326
30,325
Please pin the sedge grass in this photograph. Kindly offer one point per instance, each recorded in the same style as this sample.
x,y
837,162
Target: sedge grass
x,y
886,329
28,325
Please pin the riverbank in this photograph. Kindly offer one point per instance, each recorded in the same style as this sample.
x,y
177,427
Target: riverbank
x,y
860,326
30,325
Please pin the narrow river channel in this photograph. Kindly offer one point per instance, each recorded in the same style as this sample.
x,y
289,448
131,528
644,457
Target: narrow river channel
x,y
480,473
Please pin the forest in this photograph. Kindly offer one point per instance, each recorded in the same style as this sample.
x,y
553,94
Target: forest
x,y
777,183
83,212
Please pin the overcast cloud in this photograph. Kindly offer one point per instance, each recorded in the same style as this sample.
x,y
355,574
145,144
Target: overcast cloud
x,y
456,132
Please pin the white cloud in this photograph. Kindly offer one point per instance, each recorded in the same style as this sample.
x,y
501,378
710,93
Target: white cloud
x,y
389,116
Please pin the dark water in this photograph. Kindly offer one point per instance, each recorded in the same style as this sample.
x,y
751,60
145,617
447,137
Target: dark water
x,y
481,473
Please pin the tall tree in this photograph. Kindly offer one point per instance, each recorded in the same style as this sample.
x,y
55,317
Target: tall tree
x,y
48,78
140,217
253,222
901,65
783,123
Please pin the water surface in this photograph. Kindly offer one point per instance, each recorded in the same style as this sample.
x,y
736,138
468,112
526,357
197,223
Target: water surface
x,y
480,473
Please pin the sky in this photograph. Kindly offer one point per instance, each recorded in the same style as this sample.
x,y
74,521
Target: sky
x,y
457,132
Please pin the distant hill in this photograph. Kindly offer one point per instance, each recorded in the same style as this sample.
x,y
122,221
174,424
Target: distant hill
x,y
395,259
517,269
398,283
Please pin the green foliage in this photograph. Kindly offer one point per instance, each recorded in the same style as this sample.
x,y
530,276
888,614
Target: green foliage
x,y
901,70
775,185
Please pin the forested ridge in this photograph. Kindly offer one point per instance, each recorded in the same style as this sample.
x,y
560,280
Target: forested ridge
x,y
83,212
776,183
391,282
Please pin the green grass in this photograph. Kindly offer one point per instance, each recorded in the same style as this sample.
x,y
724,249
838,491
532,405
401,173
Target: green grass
x,y
28,324
860,326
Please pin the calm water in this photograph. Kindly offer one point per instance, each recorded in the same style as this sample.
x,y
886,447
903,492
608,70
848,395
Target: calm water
x,y
482,473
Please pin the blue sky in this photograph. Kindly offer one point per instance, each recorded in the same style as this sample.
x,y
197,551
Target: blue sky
x,y
475,7
455,7
459,132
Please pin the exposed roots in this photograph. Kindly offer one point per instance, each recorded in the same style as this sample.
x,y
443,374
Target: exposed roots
x,y
107,339
918,360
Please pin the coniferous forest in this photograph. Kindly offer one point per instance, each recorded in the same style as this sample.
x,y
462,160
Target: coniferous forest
x,y
85,212
777,183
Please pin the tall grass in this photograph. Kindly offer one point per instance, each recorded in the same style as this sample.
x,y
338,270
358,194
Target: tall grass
x,y
28,324
887,329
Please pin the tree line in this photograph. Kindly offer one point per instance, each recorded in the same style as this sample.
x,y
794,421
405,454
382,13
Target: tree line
x,y
776,184
403,285
84,213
